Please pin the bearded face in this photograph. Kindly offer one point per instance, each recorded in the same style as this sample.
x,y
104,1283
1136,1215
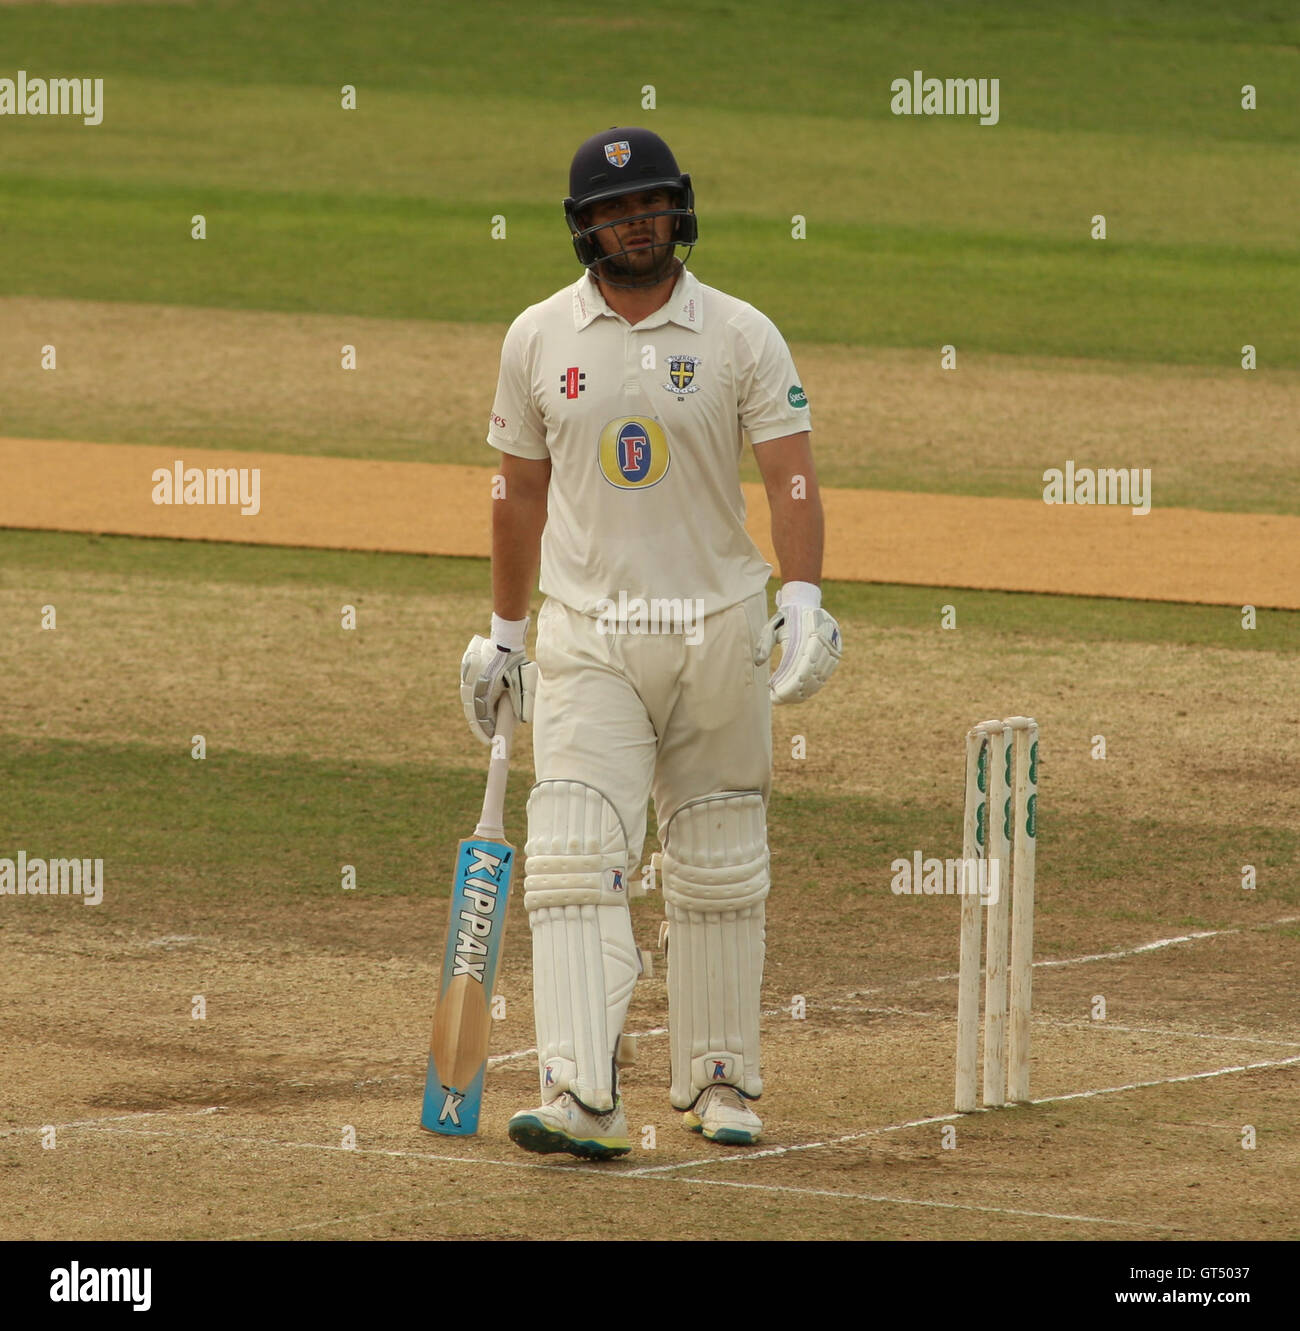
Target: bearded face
x,y
635,234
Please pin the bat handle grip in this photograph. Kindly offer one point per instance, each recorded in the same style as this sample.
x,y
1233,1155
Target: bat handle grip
x,y
491,823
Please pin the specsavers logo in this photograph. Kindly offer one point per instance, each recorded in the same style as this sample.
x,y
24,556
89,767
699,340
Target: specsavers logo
x,y
633,452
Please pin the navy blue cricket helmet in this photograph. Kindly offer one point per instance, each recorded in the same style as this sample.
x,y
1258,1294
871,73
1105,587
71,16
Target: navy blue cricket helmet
x,y
625,161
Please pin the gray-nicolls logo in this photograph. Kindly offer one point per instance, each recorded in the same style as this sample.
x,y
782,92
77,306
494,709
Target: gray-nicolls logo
x,y
75,1283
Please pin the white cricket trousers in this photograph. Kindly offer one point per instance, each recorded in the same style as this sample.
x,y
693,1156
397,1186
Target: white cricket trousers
x,y
642,714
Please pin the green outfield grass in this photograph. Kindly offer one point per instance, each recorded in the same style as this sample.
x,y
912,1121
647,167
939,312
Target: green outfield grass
x,y
238,827
760,57
850,284
920,231
1082,618
243,830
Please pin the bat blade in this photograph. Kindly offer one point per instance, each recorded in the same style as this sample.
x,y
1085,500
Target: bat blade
x,y
462,1020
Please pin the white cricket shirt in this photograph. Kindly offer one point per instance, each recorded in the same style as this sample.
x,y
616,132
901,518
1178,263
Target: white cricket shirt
x,y
644,425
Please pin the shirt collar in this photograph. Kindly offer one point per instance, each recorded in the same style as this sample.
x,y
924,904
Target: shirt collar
x,y
685,307
588,303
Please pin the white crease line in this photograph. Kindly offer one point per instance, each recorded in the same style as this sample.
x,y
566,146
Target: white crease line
x,y
1165,1031
757,1187
115,1118
1098,1026
1100,956
743,1157
1141,947
940,979
912,1201
273,1142
596,1170
879,1011
1091,956
1169,1081
739,1157
496,1059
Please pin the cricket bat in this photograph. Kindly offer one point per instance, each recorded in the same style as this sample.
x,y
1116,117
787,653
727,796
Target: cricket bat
x,y
462,1020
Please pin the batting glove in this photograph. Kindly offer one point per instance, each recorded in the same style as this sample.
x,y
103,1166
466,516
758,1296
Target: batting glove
x,y
491,667
810,640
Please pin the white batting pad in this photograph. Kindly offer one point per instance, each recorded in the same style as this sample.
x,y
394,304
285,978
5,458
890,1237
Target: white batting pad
x,y
715,883
584,956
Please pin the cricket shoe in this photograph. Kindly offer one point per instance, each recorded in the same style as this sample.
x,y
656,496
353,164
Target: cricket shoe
x,y
566,1124
723,1115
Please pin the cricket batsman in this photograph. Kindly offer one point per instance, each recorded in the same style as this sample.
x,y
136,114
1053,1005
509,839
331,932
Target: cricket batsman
x,y
620,415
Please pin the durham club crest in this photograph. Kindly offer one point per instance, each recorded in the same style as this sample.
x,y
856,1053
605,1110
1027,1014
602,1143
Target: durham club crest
x,y
681,373
618,154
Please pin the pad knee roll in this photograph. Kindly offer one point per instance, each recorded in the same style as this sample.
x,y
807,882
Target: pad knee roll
x,y
585,961
715,885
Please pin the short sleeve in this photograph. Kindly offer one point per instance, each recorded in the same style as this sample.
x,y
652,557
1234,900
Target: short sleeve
x,y
772,400
516,425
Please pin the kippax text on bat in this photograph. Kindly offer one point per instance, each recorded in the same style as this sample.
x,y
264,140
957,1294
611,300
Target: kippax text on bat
x,y
481,893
